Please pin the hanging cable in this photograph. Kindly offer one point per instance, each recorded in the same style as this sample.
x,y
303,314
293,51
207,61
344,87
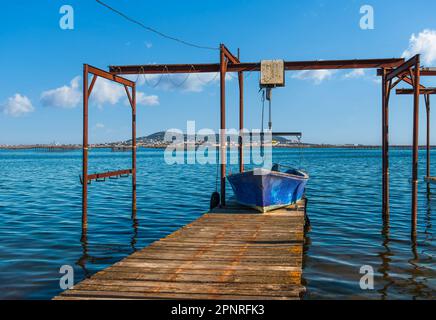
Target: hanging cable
x,y
137,78
179,84
155,84
207,82
217,156
263,109
262,134
190,44
268,97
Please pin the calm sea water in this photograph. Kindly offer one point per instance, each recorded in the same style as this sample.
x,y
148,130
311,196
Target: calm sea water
x,y
40,219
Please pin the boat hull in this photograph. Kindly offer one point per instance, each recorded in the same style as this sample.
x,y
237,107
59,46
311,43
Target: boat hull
x,y
268,190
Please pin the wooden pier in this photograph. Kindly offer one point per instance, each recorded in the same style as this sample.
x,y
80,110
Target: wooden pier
x,y
227,254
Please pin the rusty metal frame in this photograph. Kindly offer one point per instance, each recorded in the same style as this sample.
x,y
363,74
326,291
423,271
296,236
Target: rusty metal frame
x,y
231,63
255,66
426,92
410,73
226,58
428,145
86,177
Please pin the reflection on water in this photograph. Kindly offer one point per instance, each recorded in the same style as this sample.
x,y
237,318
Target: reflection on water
x,y
135,225
40,212
418,258
385,256
87,258
348,230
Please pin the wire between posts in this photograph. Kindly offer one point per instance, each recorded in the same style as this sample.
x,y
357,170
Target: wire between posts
x,y
178,85
153,85
165,72
125,16
201,80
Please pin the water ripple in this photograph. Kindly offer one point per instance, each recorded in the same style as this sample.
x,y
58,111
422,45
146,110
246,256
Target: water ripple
x,y
40,210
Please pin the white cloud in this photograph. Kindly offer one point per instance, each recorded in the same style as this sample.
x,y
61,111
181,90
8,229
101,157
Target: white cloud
x,y
146,100
317,76
68,96
423,43
356,73
104,92
107,92
17,106
99,125
148,45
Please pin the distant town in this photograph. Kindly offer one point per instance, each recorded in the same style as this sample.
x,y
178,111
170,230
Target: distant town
x,y
157,141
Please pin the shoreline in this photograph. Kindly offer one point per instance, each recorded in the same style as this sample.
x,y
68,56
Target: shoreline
x,y
118,148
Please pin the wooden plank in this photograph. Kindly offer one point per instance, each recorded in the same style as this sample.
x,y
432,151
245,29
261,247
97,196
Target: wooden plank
x,y
221,256
197,273
105,295
185,287
233,253
214,258
286,278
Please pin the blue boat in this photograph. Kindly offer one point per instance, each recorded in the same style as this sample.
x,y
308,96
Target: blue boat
x,y
266,190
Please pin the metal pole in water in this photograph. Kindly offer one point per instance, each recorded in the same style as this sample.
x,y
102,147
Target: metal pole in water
x,y
385,147
241,120
134,148
427,107
223,143
85,150
416,84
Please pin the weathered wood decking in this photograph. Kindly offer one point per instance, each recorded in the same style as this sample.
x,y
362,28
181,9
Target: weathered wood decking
x,y
231,253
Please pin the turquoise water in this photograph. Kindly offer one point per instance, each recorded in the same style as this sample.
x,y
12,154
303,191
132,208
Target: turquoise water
x,y
40,219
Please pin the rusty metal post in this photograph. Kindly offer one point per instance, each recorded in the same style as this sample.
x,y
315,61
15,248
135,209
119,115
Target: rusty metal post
x,y
385,147
427,107
428,173
134,148
85,150
223,140
416,84
241,121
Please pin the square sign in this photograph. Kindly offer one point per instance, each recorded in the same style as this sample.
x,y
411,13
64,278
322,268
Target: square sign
x,y
272,73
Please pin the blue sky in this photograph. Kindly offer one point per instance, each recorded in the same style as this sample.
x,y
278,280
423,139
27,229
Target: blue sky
x,y
40,92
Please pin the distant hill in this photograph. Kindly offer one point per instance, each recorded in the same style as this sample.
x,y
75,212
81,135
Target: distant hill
x,y
158,137
155,136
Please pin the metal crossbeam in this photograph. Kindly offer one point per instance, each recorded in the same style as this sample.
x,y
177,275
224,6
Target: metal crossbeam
x,y
109,76
405,67
423,72
245,67
109,174
424,91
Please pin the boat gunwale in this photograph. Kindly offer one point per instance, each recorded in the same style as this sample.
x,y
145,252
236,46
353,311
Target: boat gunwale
x,y
277,173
